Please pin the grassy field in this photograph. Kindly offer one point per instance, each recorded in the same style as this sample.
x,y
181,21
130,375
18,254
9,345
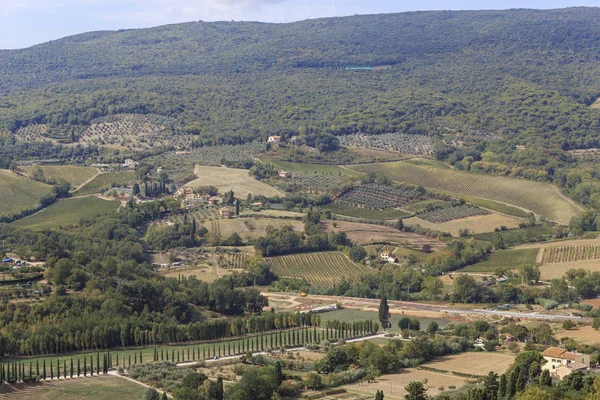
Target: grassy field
x,y
348,315
97,388
18,193
541,198
367,213
311,169
513,237
475,224
67,212
367,233
226,179
106,181
322,268
76,176
505,259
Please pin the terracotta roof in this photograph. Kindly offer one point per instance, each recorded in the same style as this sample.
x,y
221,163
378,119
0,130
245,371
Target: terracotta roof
x,y
578,365
570,356
556,352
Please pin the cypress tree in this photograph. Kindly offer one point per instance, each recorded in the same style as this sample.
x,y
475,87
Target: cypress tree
x,y
37,367
141,361
193,354
278,374
71,372
44,374
65,368
204,353
177,356
129,365
84,366
134,358
219,389
91,365
78,368
502,386
51,371
30,372
188,353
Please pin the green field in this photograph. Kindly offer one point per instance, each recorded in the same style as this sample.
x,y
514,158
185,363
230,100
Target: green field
x,y
347,315
76,176
67,212
18,193
106,181
310,169
366,213
321,268
541,198
505,259
513,237
102,387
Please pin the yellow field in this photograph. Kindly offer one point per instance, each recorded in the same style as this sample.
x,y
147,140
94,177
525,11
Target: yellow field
x,y
541,198
226,179
76,176
581,334
476,224
18,193
479,363
203,273
393,384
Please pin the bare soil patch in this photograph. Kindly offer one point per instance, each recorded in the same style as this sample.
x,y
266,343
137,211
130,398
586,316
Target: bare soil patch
x,y
581,334
226,179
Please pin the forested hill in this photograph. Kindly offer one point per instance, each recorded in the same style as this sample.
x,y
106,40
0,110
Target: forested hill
x,y
520,74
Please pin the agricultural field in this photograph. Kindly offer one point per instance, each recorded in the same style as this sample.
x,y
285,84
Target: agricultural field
x,y
315,183
377,196
511,237
204,273
67,212
104,387
393,384
581,334
180,167
366,213
473,363
249,227
407,144
475,225
226,179
134,132
75,176
314,169
200,214
451,213
47,133
541,198
350,315
566,254
322,268
19,194
106,181
504,259
369,234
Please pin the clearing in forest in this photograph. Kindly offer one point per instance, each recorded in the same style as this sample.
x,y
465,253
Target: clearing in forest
x,y
368,233
249,227
67,212
18,194
321,268
226,179
541,198
75,176
473,363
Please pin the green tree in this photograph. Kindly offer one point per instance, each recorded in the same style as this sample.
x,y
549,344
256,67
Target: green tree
x,y
404,323
219,389
502,386
491,386
278,374
432,327
379,395
432,287
151,394
384,312
415,391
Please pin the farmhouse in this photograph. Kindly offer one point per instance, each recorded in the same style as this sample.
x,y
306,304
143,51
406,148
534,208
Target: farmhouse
x,y
215,200
129,163
561,362
182,153
284,174
274,139
226,212
387,257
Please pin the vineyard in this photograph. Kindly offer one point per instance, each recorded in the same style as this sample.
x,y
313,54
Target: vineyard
x,y
563,254
75,176
103,182
234,261
408,144
323,268
18,194
378,196
135,132
448,214
215,229
317,183
541,198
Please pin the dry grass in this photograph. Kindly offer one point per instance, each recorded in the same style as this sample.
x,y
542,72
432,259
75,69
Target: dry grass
x,y
582,334
251,227
204,273
476,224
366,233
393,384
226,179
479,363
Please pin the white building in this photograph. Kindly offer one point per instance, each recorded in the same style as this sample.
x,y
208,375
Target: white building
x,y
561,362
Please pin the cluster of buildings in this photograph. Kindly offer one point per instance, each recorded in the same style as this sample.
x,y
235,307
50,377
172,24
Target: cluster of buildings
x,y
192,200
277,139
